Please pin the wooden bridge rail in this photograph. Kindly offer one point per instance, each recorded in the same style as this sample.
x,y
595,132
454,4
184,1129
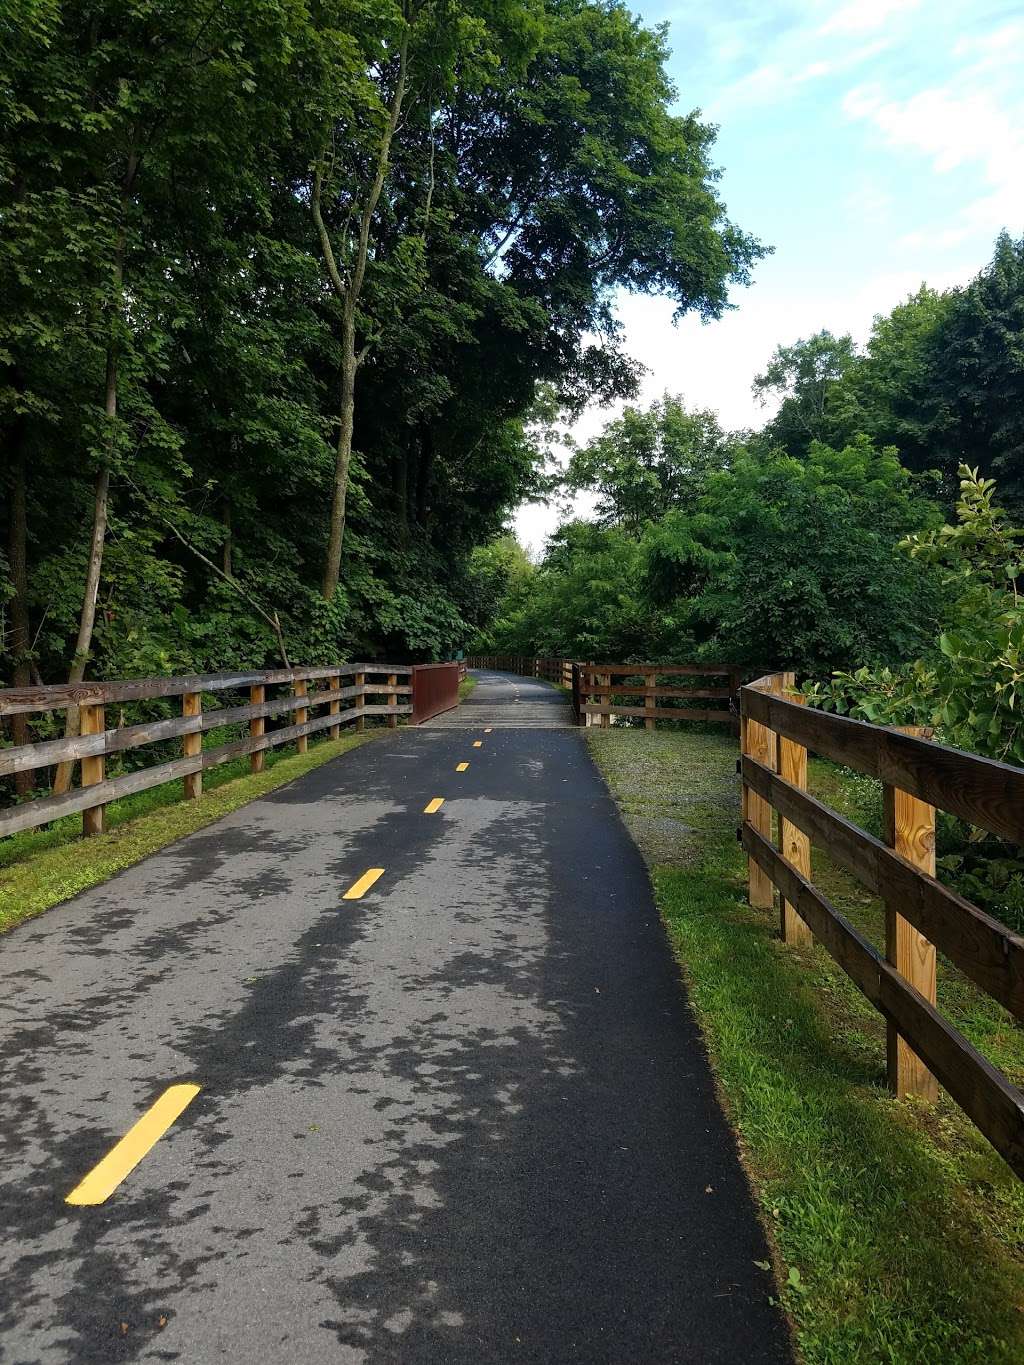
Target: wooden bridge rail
x,y
96,741
528,666
601,691
634,690
922,915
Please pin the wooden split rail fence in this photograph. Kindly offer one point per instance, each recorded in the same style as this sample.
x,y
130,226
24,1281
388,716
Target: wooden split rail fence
x,y
347,703
922,915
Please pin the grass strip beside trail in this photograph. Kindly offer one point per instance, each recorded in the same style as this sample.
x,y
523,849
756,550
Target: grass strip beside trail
x,y
466,686
899,1233
41,868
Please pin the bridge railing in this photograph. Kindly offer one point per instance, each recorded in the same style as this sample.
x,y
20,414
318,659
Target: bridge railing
x,y
654,692
528,666
346,705
650,692
922,915
435,688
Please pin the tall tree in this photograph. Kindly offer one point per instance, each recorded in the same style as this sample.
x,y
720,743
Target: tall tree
x,y
649,461
806,379
982,370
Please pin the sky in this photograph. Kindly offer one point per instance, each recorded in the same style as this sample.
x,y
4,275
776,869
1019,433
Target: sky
x,y
874,144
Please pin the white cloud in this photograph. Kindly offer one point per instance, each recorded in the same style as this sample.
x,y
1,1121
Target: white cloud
x,y
800,66
713,365
863,16
957,125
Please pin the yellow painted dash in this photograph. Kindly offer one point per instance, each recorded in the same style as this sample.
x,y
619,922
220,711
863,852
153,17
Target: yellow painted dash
x,y
461,767
363,885
105,1177
432,807
488,730
477,743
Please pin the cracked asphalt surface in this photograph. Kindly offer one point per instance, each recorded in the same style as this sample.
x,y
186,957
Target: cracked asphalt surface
x,y
468,1118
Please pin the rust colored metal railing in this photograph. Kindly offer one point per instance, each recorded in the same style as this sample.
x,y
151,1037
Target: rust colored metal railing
x,y
435,688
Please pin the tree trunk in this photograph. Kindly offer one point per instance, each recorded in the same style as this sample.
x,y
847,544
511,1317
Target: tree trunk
x,y
228,546
20,625
101,496
343,458
426,469
87,620
348,291
400,484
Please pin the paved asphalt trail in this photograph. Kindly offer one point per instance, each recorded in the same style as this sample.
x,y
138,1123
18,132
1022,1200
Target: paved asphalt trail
x,y
467,1118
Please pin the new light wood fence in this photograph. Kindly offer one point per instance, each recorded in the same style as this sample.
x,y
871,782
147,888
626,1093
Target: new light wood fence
x,y
656,692
922,915
346,704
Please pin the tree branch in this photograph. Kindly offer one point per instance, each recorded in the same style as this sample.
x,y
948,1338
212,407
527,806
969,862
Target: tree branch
x,y
271,620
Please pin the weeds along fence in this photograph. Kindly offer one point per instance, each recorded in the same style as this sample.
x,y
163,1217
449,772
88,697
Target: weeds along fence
x,y
781,822
649,692
351,693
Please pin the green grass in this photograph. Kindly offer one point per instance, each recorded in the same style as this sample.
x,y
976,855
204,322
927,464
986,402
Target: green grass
x,y
899,1233
465,687
40,868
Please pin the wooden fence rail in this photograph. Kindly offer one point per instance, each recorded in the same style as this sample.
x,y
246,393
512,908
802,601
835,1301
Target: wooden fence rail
x,y
529,666
607,690
601,691
922,915
346,705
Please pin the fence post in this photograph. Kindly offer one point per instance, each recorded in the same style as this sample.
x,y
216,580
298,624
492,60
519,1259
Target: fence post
x,y
909,828
92,721
192,745
757,741
605,680
301,689
257,727
794,845
360,720
649,702
392,699
334,731
735,683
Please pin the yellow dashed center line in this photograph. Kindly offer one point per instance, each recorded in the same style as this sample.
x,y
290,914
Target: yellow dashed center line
x,y
105,1177
461,767
363,885
488,730
432,807
477,743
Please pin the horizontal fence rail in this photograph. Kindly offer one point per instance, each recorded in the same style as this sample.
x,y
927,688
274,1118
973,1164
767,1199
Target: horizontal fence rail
x,y
650,692
636,690
342,688
781,823
551,670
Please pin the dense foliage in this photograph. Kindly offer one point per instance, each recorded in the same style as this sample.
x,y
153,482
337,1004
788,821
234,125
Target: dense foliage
x,y
969,686
941,379
815,542
281,283
759,558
